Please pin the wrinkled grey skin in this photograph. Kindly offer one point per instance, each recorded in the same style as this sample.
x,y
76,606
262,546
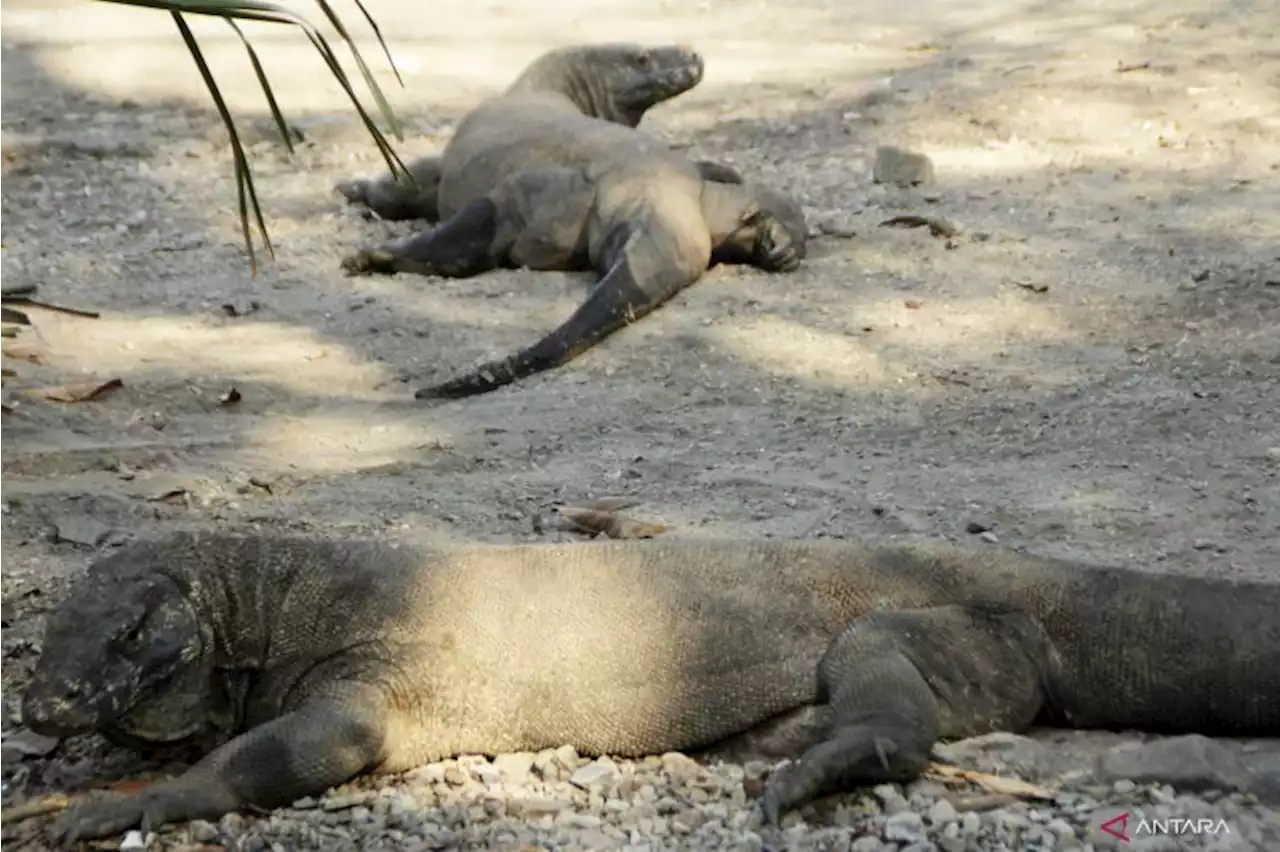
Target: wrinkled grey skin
x,y
552,174
313,661
617,83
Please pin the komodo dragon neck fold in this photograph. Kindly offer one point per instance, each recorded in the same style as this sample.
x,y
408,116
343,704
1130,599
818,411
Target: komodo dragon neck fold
x,y
408,654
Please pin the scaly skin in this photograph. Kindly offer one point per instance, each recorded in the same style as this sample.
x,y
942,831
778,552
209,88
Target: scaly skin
x,y
316,660
552,174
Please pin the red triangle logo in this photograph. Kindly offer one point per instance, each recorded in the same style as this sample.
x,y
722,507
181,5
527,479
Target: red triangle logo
x,y
1117,826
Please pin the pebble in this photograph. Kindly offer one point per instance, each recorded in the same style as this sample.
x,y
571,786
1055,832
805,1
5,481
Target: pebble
x,y
902,167
556,799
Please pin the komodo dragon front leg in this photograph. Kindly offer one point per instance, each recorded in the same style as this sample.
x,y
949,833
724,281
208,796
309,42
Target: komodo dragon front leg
x,y
321,744
893,683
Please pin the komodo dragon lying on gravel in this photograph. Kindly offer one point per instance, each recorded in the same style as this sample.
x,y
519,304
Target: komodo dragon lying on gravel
x,y
324,659
552,174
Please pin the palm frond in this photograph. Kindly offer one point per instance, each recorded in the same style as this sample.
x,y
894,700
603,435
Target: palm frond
x,y
259,10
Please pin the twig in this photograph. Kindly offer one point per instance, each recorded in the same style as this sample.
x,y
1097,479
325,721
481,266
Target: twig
x,y
39,807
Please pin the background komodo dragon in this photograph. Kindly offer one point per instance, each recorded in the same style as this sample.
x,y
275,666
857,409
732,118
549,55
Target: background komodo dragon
x,y
552,174
324,659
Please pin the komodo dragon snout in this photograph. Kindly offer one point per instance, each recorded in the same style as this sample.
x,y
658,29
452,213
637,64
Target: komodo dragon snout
x,y
117,659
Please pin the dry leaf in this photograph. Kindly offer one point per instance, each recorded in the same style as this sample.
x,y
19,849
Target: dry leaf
x,y
24,351
80,392
614,526
990,783
938,226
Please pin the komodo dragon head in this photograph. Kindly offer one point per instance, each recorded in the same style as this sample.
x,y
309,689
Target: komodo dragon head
x,y
615,82
124,656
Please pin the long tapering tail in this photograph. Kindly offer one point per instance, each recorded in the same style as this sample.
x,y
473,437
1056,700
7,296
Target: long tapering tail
x,y
644,274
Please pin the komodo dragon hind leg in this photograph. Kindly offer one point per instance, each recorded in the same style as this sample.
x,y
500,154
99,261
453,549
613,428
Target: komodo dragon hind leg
x,y
535,219
320,745
645,265
895,682
395,198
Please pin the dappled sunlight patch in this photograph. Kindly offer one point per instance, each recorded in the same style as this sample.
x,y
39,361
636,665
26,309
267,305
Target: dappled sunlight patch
x,y
781,347
341,442
290,357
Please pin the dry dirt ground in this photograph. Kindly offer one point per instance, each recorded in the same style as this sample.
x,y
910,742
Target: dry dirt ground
x,y
1091,369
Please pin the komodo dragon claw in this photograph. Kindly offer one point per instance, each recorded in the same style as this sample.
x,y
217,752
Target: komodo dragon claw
x,y
369,262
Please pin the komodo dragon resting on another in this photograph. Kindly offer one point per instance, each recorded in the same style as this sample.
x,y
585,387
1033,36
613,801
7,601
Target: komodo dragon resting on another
x,y
552,174
324,659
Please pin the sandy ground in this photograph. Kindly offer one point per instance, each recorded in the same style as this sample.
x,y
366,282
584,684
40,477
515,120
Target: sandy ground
x,y
1092,369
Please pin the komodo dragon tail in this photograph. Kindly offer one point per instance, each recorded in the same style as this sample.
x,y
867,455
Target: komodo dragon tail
x,y
645,270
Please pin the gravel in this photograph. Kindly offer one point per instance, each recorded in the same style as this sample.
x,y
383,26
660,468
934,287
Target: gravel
x,y
558,799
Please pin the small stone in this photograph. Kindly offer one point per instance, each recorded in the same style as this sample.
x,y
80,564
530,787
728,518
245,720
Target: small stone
x,y
904,827
454,776
976,527
134,841
942,812
203,831
567,756
901,167
1192,762
535,806
594,774
866,843
891,800
306,803
514,766
989,537
27,743
338,803
680,767
970,824
81,530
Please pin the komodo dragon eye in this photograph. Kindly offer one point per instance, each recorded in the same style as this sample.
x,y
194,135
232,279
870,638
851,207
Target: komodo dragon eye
x,y
644,60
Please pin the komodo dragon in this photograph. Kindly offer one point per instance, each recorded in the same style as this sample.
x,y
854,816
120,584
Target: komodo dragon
x,y
552,174
324,659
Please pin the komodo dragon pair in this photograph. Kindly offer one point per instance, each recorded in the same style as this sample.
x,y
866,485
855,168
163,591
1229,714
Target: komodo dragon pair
x,y
552,174
314,661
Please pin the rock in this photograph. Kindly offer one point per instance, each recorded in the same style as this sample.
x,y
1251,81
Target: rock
x,y
81,530
594,774
900,167
202,831
680,767
1192,762
535,806
342,802
942,813
27,743
891,799
904,827
515,766
133,840
866,843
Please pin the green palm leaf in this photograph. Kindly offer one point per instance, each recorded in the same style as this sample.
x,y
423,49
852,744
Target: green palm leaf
x,y
258,10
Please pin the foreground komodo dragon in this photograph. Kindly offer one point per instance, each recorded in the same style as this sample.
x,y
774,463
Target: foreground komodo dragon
x,y
324,659
552,174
